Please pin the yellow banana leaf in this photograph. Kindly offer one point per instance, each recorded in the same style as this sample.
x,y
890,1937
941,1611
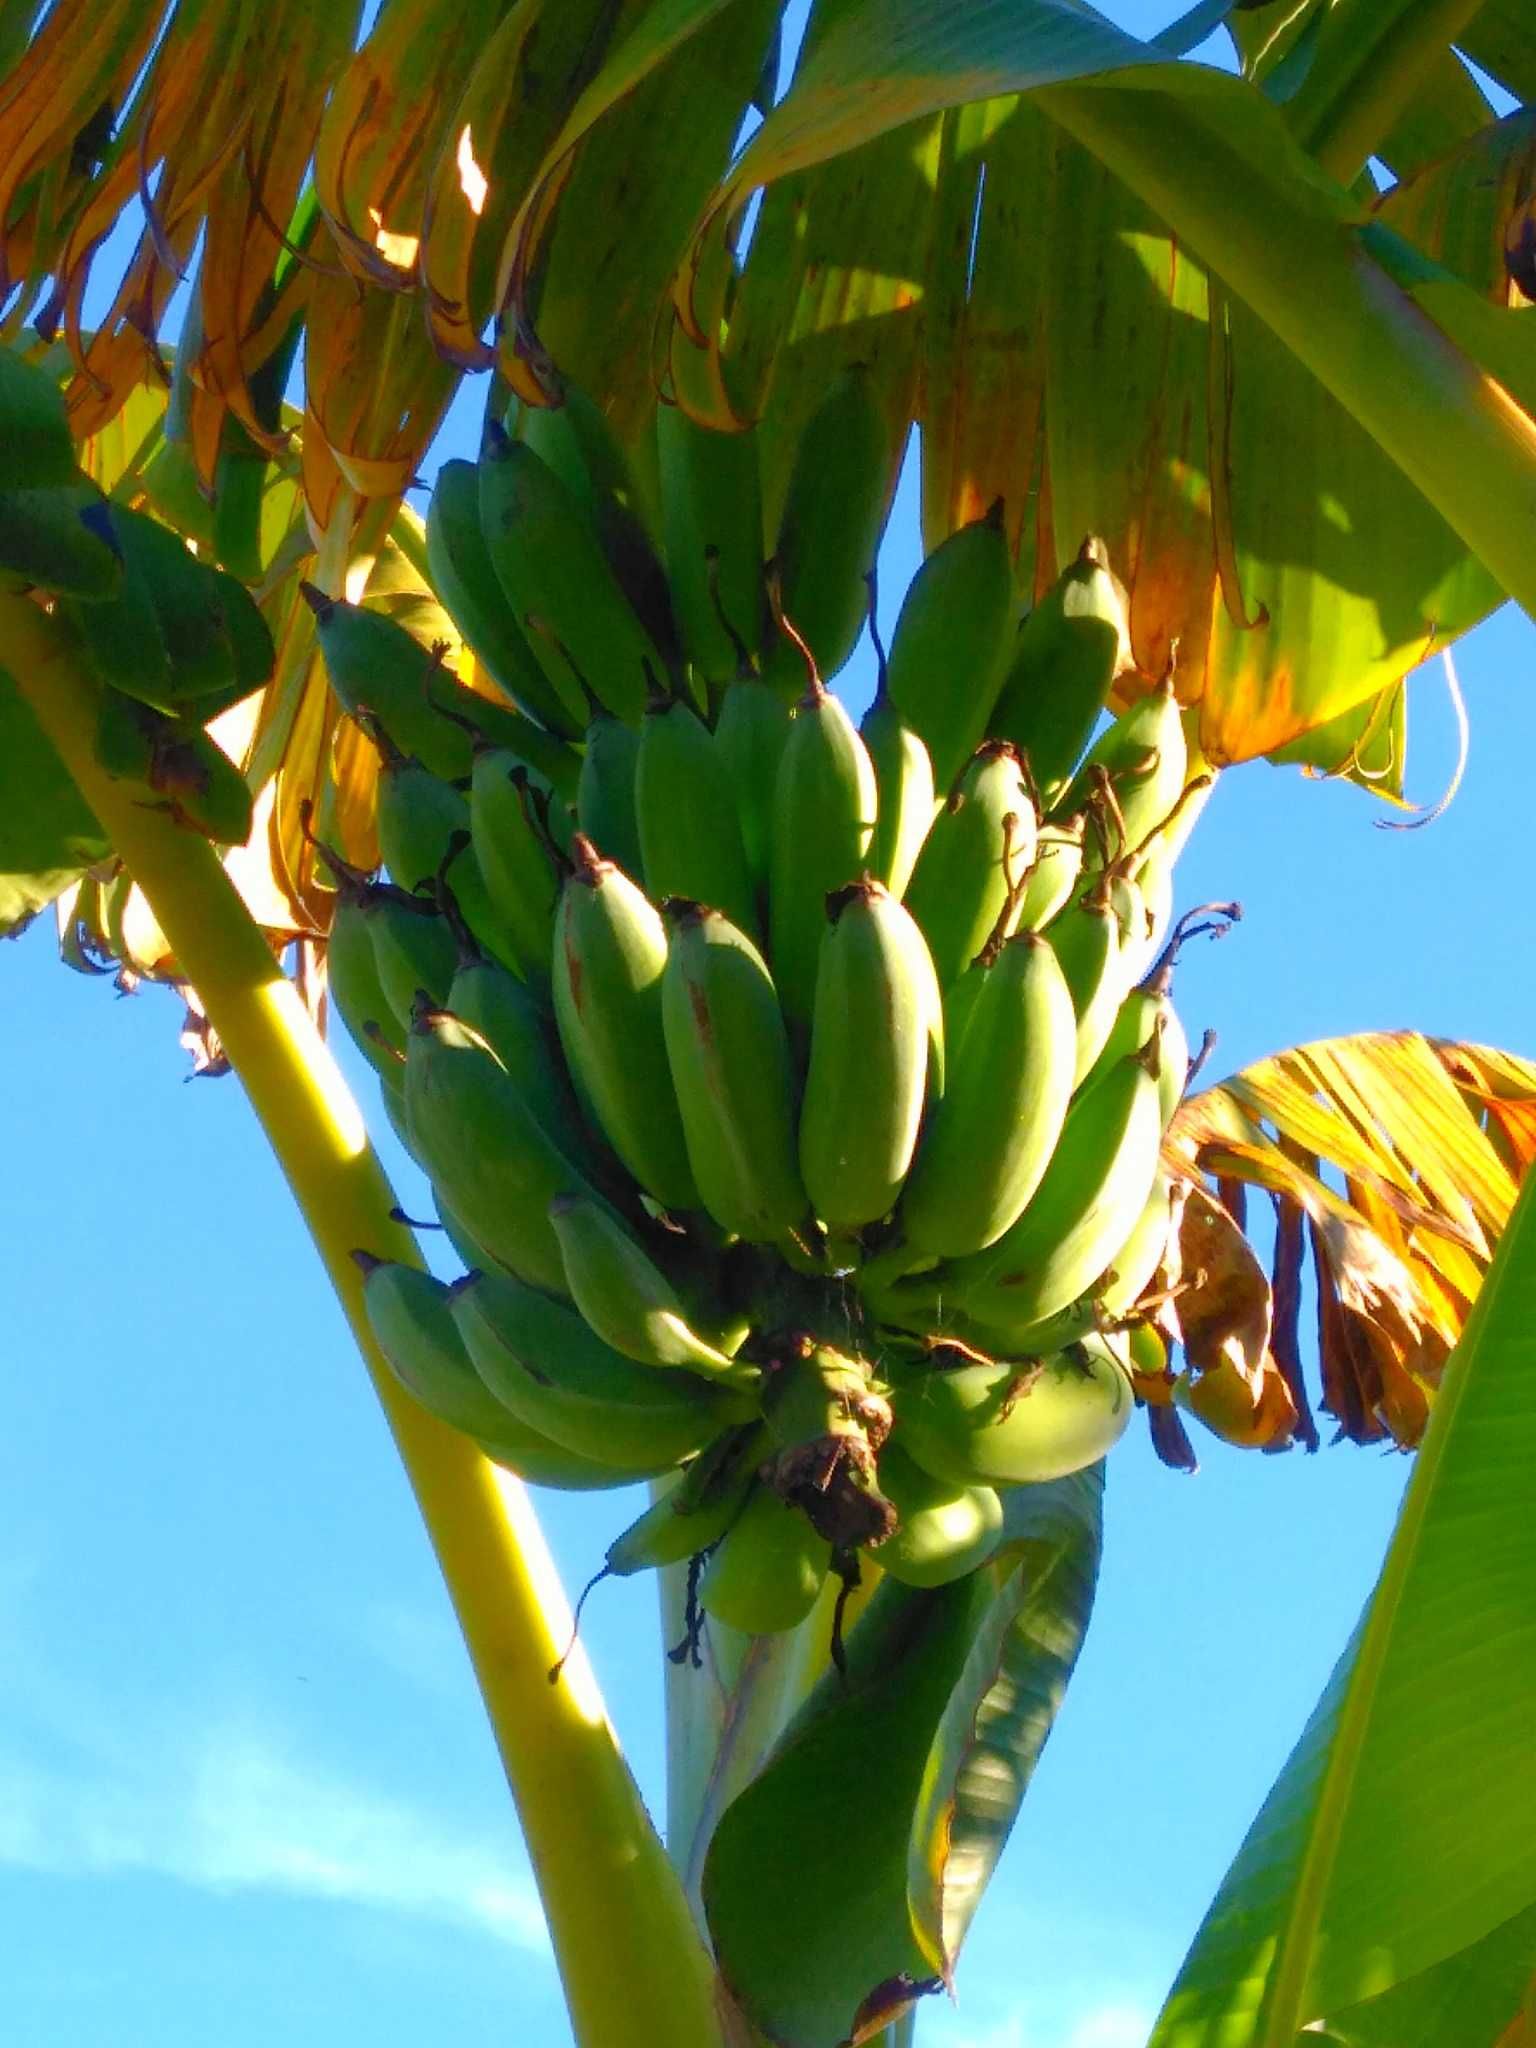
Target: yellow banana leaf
x,y
1394,1160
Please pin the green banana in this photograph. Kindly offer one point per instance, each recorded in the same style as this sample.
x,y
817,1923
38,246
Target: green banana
x,y
690,841
626,1297
479,1140
820,833
732,1074
425,830
517,1028
1010,1425
877,1018
550,561
943,1530
1145,757
1086,939
577,440
352,978
768,1570
1069,650
408,1312
376,667
463,577
712,524
34,427
1081,1214
551,1371
1138,1259
965,886
692,1516
1147,1013
177,633
1053,879
991,1138
605,795
609,956
829,533
904,792
575,437
60,541
750,731
538,1462
1154,875
1113,1296
513,830
413,948
952,642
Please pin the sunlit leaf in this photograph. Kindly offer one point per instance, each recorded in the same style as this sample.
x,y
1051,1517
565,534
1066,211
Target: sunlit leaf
x,y
1470,1997
898,1788
48,834
1429,1139
1005,1704
1398,1833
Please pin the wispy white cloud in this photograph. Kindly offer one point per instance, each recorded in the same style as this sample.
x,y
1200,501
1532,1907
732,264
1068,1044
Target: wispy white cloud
x,y
230,1802
422,1647
1085,2023
232,1811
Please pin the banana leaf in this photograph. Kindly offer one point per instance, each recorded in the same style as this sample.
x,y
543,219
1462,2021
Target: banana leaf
x,y
48,835
1469,1998
1396,1160
898,1784
882,67
1398,1834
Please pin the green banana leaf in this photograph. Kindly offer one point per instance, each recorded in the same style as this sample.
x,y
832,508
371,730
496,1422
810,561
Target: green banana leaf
x,y
1501,38
899,1786
615,260
884,65
48,834
1399,1832
1469,1998
1000,1714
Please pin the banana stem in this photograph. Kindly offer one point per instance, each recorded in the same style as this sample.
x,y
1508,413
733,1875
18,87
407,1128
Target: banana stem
x,y
633,1968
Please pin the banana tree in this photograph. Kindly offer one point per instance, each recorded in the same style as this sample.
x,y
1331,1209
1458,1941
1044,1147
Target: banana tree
x,y
1100,280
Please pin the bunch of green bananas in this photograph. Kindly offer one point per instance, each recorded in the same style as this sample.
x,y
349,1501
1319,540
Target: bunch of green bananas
x,y
793,1092
173,641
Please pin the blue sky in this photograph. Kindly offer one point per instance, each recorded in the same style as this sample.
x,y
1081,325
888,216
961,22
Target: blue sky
x,y
246,1791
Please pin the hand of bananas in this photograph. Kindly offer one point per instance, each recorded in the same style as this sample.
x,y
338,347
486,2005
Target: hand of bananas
x,y
795,1094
